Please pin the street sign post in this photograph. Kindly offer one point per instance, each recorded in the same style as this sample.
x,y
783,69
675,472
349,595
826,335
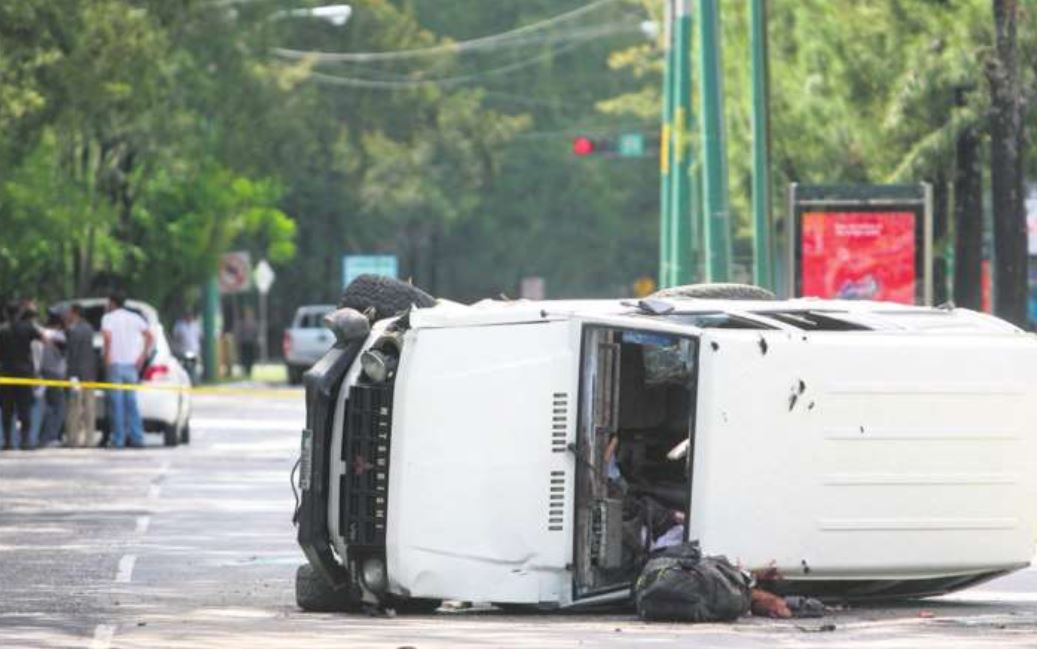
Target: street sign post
x,y
264,277
235,275
355,265
631,145
533,288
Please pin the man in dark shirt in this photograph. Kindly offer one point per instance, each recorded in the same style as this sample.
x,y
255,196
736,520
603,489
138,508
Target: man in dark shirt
x,y
16,361
82,367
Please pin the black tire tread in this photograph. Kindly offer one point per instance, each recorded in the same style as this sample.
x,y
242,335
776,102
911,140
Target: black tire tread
x,y
388,296
717,291
170,435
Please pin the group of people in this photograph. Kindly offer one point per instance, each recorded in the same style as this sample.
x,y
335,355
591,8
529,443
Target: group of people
x,y
61,351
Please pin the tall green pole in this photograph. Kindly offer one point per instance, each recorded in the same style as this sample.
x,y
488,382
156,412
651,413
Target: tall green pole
x,y
210,337
762,267
681,238
666,154
717,232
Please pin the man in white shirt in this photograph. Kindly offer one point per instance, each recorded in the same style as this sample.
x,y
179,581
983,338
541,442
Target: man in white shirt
x,y
127,341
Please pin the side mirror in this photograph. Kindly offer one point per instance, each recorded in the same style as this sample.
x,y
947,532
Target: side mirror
x,y
347,325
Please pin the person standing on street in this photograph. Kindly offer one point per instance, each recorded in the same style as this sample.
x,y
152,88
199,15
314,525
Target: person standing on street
x,y
16,361
187,342
127,341
53,367
80,420
247,335
187,334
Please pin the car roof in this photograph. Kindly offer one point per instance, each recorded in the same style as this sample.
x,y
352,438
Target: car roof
x,y
857,315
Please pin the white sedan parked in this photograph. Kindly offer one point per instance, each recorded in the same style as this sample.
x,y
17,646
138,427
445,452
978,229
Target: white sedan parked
x,y
166,411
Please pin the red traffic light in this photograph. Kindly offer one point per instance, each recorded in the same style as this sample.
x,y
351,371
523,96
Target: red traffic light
x,y
583,146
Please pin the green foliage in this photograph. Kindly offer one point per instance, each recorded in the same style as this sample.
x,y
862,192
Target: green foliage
x,y
872,91
139,139
194,215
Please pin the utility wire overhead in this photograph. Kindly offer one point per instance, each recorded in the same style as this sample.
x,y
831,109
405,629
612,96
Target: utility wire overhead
x,y
591,32
446,48
444,82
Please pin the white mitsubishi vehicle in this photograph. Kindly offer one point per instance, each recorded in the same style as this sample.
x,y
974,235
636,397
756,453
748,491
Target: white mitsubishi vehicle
x,y
166,410
507,452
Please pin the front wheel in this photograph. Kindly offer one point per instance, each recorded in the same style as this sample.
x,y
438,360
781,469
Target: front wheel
x,y
314,595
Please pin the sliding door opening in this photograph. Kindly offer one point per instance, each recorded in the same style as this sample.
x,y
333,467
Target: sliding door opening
x,y
636,434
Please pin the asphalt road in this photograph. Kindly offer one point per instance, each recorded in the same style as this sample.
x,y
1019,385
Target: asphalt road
x,y
194,547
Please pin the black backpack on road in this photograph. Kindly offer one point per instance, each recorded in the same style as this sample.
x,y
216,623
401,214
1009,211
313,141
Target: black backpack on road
x,y
679,584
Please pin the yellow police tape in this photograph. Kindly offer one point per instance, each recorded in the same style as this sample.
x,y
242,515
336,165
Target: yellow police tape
x,y
199,390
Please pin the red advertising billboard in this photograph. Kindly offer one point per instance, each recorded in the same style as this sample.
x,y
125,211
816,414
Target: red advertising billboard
x,y
869,255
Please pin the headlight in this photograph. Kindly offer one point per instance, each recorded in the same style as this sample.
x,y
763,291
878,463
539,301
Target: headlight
x,y
373,574
377,366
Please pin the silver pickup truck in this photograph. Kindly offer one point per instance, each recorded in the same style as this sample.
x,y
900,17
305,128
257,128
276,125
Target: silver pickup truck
x,y
306,340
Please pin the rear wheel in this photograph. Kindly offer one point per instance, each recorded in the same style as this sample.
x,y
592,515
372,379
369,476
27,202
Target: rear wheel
x,y
170,434
185,433
717,292
315,595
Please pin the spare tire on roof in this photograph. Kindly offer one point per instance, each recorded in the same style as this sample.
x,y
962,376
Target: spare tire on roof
x,y
717,292
388,296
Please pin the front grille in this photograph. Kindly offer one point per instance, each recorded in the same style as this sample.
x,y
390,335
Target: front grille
x,y
364,488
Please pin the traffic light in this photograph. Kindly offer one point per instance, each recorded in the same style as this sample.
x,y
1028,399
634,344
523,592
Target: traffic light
x,y
583,146
623,145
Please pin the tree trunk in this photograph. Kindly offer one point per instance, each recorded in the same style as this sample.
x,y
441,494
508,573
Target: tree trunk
x,y
940,218
1006,157
968,218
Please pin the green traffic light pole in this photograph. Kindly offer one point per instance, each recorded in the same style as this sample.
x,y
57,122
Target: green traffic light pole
x,y
665,153
716,231
762,266
681,219
210,310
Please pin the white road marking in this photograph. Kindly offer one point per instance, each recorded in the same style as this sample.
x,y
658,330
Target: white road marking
x,y
125,572
103,635
142,524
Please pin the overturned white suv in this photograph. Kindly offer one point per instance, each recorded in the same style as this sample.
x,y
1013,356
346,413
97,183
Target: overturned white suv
x,y
533,453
